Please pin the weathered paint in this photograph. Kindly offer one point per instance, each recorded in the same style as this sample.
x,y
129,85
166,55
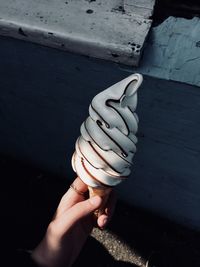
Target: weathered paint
x,y
101,29
173,51
44,97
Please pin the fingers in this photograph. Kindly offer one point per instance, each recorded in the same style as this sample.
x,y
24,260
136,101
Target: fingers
x,y
104,219
78,190
80,210
72,196
72,206
80,185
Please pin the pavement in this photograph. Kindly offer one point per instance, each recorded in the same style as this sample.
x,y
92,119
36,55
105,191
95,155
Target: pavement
x,y
134,237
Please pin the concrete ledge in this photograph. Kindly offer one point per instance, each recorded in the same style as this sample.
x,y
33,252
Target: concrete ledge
x,y
107,30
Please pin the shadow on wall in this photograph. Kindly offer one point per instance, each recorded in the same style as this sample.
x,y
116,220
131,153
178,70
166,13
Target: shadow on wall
x,y
43,105
39,106
177,8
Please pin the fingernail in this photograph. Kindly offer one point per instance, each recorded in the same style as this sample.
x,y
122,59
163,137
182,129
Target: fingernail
x,y
104,223
105,220
95,201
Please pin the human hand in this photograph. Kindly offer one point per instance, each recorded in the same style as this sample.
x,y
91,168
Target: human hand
x,y
71,226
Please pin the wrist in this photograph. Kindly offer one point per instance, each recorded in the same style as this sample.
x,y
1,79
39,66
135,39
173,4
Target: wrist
x,y
24,258
40,255
47,251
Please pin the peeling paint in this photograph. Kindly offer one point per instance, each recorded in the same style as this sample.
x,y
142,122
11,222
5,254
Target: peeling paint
x,y
173,51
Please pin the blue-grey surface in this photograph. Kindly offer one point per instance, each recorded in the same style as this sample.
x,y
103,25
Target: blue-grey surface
x,y
173,51
44,98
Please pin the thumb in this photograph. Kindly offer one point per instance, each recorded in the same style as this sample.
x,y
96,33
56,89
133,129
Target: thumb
x,y
82,209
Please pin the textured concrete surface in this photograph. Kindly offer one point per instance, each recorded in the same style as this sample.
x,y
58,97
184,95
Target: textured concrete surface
x,y
116,30
102,29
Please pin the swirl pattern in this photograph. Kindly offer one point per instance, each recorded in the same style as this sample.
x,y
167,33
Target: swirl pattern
x,y
105,149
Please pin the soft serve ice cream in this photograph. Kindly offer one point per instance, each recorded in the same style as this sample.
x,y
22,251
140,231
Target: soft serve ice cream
x,y
107,144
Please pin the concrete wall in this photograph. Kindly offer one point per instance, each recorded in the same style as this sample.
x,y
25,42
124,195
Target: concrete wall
x,y
172,51
44,97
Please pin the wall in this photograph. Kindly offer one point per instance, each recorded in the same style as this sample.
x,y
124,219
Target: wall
x,y
45,95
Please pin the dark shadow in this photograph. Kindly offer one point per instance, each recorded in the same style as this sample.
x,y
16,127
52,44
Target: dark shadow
x,y
30,196
94,254
160,241
177,8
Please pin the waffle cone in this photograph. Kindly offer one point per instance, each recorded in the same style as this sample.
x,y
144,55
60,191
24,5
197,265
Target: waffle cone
x,y
103,193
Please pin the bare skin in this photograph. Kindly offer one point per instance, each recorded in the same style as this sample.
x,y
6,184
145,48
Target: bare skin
x,y
71,226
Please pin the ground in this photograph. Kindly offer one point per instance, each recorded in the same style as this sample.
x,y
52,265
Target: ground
x,y
134,237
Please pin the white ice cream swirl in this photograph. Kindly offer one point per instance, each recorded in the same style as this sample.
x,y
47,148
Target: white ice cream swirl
x,y
105,149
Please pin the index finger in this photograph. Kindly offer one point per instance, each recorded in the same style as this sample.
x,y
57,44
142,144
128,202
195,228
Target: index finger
x,y
76,193
80,188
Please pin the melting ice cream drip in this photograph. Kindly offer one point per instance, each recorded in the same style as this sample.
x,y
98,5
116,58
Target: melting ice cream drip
x,y
107,144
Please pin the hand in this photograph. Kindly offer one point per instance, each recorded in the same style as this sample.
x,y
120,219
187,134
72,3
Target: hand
x,y
71,226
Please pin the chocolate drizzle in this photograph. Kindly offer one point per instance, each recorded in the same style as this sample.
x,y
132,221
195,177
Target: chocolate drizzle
x,y
94,178
109,135
109,105
107,125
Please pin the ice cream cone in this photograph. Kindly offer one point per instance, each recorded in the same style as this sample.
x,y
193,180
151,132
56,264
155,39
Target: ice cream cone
x,y
103,193
104,151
